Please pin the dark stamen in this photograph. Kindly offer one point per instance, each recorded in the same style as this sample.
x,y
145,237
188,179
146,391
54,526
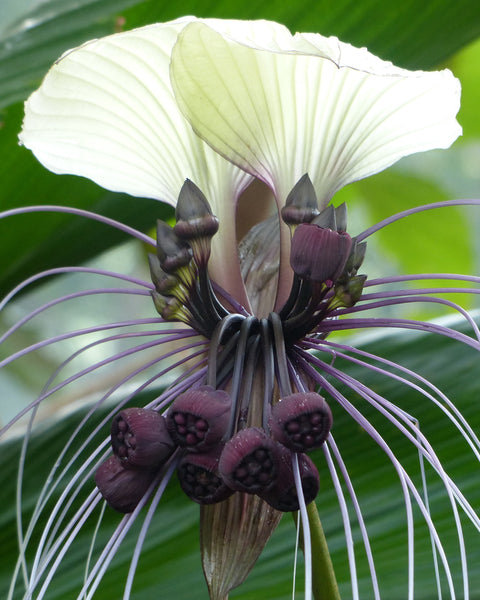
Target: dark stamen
x,y
281,362
220,330
269,363
245,330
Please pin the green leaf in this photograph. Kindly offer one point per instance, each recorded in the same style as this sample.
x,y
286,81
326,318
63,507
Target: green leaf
x,y
414,35
465,66
39,35
170,563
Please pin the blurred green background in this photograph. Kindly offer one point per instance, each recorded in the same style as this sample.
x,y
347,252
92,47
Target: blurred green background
x,y
412,34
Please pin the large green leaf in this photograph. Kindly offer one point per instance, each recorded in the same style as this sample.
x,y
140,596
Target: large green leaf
x,y
412,34
170,563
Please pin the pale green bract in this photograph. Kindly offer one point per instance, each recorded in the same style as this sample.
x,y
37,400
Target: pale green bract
x,y
279,105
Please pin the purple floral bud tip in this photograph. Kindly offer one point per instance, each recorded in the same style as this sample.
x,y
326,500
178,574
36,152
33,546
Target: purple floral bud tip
x,y
319,253
204,226
140,438
301,421
283,495
122,488
249,460
198,418
199,477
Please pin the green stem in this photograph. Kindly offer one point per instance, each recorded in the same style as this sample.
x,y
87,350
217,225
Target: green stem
x,y
324,583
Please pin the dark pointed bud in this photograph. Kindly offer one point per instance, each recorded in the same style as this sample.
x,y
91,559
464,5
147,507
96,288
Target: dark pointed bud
x,y
326,218
199,477
283,495
198,418
159,301
249,461
122,488
163,282
301,421
301,205
172,308
140,438
193,213
341,217
349,293
172,252
319,254
169,307
355,259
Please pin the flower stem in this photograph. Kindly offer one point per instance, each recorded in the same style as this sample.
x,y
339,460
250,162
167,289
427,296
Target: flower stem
x,y
324,583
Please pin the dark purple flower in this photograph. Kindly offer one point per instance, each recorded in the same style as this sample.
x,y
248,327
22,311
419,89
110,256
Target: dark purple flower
x,y
122,488
198,418
200,479
140,437
136,113
249,461
283,495
301,421
319,254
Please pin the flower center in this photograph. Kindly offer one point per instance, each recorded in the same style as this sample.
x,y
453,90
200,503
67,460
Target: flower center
x,y
237,429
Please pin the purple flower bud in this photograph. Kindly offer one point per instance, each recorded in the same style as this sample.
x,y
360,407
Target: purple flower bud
x,y
301,421
198,418
122,488
199,477
140,438
172,252
301,204
164,282
319,253
249,461
193,213
196,228
283,495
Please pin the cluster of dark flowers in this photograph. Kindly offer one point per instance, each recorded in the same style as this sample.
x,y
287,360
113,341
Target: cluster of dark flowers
x,y
225,442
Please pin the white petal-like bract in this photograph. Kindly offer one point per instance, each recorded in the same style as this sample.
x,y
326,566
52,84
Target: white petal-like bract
x,y
280,106
106,111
